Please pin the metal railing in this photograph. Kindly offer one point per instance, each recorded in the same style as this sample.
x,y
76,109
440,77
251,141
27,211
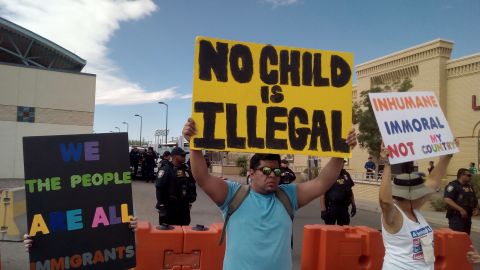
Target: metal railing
x,y
363,178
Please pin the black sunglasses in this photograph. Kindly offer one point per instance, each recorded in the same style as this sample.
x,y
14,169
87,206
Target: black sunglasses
x,y
468,175
267,171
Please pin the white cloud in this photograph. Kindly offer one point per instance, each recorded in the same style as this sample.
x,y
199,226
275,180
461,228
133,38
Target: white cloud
x,y
121,92
85,27
281,2
186,96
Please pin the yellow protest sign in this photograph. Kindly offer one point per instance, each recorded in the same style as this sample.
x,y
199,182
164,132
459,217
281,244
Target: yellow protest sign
x,y
262,98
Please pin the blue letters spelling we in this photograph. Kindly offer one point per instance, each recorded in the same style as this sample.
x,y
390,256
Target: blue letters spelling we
x,y
75,151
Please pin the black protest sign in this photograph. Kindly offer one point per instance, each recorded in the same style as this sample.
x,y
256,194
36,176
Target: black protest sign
x,y
79,201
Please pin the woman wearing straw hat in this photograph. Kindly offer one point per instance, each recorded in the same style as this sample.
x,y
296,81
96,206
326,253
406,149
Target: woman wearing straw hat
x,y
407,237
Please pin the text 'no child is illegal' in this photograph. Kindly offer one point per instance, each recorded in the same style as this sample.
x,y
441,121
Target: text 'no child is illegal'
x,y
258,97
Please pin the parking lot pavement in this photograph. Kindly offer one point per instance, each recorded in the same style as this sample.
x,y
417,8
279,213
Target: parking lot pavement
x,y
204,212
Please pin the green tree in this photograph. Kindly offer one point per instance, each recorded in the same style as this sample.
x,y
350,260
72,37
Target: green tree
x,y
369,136
242,163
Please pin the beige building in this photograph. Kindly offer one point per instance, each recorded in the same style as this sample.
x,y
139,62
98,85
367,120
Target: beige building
x,y
456,82
42,92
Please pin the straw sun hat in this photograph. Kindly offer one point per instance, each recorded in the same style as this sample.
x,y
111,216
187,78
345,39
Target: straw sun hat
x,y
410,186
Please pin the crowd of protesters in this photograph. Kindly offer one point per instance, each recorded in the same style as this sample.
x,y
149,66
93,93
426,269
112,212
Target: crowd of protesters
x,y
271,198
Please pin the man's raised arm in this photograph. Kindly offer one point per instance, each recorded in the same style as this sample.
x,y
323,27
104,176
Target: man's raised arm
x,y
214,186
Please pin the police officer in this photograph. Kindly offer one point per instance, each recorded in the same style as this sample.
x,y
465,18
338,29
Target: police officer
x,y
134,160
150,158
165,159
461,202
175,190
334,204
287,176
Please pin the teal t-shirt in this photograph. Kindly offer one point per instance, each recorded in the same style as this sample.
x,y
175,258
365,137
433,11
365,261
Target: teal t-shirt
x,y
258,233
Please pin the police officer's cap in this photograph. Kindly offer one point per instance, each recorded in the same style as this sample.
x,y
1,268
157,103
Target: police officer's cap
x,y
178,151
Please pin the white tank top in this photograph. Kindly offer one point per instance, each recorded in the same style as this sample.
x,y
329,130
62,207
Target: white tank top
x,y
403,250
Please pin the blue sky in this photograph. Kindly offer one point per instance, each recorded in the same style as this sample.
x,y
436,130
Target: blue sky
x,y
142,51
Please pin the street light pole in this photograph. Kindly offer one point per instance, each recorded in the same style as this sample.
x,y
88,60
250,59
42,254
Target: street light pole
x,y
166,122
141,121
118,129
125,123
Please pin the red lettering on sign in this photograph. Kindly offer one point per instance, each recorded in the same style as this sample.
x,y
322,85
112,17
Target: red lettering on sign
x,y
474,103
401,150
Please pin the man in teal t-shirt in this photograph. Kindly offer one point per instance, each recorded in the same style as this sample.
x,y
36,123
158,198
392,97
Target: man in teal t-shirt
x,y
261,222
259,232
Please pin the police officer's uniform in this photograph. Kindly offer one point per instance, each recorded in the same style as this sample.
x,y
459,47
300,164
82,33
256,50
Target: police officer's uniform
x,y
134,159
176,191
464,196
165,159
150,158
337,200
287,176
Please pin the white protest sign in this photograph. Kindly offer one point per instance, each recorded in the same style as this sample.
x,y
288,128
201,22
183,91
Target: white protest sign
x,y
412,125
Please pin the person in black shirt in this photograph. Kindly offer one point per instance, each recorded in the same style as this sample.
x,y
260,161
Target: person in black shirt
x,y
287,176
165,159
461,202
175,190
431,166
134,160
334,204
150,159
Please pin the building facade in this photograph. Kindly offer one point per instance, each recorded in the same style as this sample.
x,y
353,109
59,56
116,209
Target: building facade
x,y
42,92
456,83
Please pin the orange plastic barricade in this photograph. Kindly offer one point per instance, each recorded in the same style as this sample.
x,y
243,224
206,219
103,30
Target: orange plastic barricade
x,y
341,247
182,248
203,242
451,249
154,245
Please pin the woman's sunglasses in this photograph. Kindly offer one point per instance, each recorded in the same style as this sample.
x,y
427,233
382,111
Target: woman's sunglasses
x,y
268,171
